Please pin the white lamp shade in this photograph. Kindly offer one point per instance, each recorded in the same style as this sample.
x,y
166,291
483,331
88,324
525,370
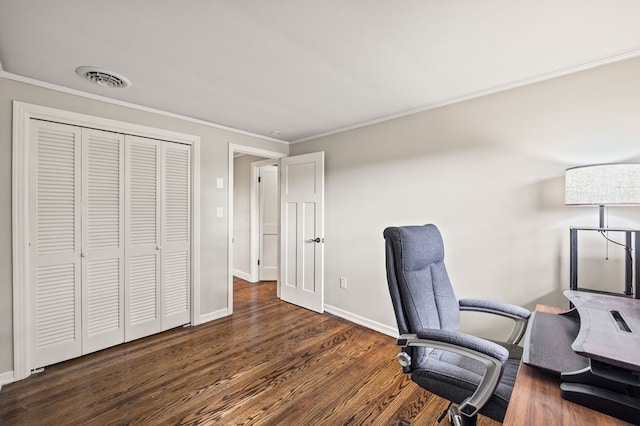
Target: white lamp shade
x,y
603,184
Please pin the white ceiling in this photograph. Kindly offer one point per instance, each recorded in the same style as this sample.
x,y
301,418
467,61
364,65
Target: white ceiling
x,y
308,67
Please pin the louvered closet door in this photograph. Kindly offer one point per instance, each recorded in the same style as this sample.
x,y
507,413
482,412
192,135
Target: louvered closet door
x,y
102,239
55,243
176,231
142,236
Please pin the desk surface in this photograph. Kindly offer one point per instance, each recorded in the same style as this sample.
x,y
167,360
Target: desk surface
x,y
606,324
536,400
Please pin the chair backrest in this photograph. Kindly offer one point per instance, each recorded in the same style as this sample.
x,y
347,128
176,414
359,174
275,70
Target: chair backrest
x,y
419,285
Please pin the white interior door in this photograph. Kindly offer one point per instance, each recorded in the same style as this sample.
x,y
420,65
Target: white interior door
x,y
302,230
268,196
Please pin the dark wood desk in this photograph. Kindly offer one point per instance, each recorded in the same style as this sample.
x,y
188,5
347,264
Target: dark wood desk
x,y
536,400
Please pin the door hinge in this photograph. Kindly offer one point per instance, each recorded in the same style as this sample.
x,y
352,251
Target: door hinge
x,y
258,262
259,179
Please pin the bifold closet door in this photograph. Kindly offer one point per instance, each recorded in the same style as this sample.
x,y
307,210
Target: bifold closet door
x,y
158,235
77,241
102,239
110,238
142,235
55,243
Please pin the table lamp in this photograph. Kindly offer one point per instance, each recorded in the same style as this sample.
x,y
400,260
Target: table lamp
x,y
602,185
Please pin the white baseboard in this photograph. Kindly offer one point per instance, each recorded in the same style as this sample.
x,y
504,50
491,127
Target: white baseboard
x,y
373,325
243,275
6,377
211,316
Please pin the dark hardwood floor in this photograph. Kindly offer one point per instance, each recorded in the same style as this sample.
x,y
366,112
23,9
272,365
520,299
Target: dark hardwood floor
x,y
270,363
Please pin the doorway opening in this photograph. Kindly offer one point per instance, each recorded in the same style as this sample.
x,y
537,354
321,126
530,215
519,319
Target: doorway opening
x,y
253,232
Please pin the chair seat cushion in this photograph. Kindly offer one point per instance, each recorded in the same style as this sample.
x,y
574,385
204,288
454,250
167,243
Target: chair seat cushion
x,y
456,377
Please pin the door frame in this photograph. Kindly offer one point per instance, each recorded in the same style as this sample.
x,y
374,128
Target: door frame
x,y
254,245
249,150
22,114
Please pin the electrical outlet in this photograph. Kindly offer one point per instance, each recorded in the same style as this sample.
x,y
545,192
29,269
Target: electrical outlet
x,y
343,282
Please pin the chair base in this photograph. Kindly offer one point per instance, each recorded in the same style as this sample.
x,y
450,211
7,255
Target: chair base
x,y
453,415
457,419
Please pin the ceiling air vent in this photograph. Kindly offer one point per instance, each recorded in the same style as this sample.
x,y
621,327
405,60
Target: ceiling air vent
x,y
103,77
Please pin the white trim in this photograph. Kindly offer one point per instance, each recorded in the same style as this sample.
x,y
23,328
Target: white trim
x,y
20,233
75,92
233,149
6,377
212,316
259,152
373,325
22,114
195,233
628,54
84,120
254,226
243,275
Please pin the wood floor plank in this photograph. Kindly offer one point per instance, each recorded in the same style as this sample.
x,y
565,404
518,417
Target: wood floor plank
x,y
270,363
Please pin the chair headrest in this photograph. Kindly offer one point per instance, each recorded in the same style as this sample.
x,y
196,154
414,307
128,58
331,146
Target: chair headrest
x,y
416,247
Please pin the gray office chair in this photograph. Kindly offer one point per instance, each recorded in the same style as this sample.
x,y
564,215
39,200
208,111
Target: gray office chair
x,y
475,373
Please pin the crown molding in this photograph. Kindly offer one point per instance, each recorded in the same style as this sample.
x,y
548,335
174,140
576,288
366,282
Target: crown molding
x,y
627,54
67,90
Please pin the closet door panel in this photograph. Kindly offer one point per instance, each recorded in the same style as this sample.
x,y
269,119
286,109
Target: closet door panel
x,y
176,231
102,239
142,236
143,291
176,289
54,198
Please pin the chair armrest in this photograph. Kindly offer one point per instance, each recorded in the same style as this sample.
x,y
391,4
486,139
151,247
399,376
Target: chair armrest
x,y
491,355
519,314
466,341
494,307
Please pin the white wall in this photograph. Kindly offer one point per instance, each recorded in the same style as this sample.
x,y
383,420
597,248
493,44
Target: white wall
x,y
490,173
214,164
242,215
